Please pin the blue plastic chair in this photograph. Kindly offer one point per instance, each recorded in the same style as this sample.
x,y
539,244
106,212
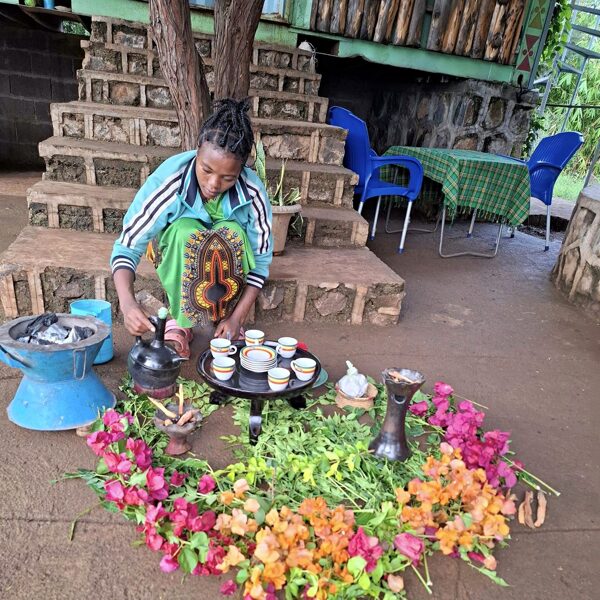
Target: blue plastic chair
x,y
364,161
545,165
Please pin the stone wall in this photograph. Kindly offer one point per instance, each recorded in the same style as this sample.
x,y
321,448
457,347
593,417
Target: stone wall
x,y
577,270
36,67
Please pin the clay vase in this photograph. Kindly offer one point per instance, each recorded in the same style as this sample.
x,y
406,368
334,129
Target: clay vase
x,y
391,441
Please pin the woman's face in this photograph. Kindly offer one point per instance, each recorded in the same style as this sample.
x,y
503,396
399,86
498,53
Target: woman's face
x,y
216,170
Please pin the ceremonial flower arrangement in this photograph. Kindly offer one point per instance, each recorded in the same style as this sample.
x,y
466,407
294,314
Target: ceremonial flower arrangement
x,y
308,510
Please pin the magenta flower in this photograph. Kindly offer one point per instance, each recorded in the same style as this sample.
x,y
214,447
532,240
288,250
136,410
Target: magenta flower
x,y
206,484
158,488
142,453
117,463
135,497
115,492
366,546
155,513
442,389
205,522
410,546
98,442
419,408
168,564
154,540
178,478
228,588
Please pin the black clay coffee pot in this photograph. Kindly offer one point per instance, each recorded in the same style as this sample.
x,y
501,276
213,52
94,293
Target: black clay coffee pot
x,y
153,366
401,385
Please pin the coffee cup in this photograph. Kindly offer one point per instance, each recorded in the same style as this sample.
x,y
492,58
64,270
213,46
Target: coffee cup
x,y
304,368
278,379
223,367
286,346
254,337
221,347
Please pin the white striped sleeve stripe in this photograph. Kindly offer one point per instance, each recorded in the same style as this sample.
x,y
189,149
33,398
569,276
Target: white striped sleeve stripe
x,y
122,262
260,214
255,280
150,210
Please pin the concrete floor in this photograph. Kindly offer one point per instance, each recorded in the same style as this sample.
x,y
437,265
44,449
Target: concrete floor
x,y
497,330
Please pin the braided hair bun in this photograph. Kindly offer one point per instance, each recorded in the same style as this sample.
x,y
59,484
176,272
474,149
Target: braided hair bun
x,y
229,128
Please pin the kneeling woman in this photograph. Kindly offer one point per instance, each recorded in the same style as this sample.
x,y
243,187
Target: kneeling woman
x,y
204,218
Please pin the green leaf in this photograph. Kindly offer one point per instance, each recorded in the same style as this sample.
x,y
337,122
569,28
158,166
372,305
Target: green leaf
x,y
356,565
199,540
138,479
187,559
241,576
365,581
102,469
492,575
377,572
467,519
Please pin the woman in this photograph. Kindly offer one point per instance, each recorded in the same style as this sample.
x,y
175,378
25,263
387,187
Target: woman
x,y
204,218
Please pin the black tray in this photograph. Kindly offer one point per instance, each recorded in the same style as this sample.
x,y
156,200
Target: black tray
x,y
255,386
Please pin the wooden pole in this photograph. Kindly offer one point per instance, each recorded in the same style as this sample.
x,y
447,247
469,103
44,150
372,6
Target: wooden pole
x,y
354,16
181,66
416,23
313,15
367,28
486,11
338,17
439,19
514,22
452,26
466,33
387,11
236,22
324,15
403,22
496,33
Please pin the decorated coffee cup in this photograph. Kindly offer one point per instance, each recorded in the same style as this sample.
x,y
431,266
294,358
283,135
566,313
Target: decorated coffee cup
x,y
278,379
254,337
286,346
221,347
304,368
223,367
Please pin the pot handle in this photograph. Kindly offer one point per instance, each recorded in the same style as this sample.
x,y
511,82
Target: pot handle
x,y
83,370
11,360
154,321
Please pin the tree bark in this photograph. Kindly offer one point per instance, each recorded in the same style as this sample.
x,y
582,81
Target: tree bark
x,y
464,42
416,23
354,17
181,65
236,22
484,19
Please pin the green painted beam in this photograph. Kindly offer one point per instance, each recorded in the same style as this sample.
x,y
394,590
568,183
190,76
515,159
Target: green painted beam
x,y
418,59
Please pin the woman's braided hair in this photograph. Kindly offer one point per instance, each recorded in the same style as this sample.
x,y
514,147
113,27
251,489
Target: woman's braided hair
x,y
229,128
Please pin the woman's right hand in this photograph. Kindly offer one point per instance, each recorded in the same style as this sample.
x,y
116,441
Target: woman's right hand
x,y
135,319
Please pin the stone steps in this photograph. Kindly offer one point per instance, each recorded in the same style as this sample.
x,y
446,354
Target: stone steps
x,y
101,208
126,165
119,58
135,37
152,92
313,285
295,140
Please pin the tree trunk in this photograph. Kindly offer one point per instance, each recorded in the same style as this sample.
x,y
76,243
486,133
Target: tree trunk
x,y
236,22
484,19
416,23
354,17
181,66
452,26
464,42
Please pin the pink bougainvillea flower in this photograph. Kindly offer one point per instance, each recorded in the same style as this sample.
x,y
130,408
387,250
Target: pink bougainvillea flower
x,y
228,588
158,488
117,463
168,564
205,522
135,497
155,513
442,389
154,541
410,546
178,478
206,484
115,492
419,408
98,442
142,453
366,546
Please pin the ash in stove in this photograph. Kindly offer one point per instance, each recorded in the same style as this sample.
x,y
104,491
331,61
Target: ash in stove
x,y
45,330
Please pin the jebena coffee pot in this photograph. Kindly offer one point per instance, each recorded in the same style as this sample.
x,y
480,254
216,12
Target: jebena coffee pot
x,y
153,366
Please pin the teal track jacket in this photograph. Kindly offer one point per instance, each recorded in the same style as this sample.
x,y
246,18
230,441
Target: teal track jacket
x,y
172,192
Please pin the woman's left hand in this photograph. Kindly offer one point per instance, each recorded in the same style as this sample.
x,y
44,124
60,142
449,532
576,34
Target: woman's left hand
x,y
228,328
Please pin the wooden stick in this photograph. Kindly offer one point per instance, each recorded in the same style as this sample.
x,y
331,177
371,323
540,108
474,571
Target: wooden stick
x,y
439,19
497,29
354,17
369,19
482,29
416,23
452,26
514,21
403,22
162,408
466,33
180,399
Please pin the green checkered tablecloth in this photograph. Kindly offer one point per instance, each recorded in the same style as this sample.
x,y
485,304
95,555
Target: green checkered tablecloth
x,y
492,184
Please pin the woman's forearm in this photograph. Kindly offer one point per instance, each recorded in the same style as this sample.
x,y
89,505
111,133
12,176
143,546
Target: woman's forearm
x,y
124,279
245,303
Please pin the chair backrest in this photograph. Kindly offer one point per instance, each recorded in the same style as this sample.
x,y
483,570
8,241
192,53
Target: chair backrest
x,y
555,149
358,148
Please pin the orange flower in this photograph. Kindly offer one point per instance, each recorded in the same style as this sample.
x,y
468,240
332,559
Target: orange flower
x,y
240,487
266,546
239,522
223,524
402,497
299,557
232,558
395,583
226,498
448,538
251,505
274,573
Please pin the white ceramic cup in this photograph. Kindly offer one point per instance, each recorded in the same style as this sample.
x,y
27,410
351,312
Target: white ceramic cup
x,y
221,347
286,347
254,337
304,368
223,367
278,379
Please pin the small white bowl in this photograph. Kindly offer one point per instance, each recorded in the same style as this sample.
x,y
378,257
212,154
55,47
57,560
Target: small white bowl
x,y
223,367
278,379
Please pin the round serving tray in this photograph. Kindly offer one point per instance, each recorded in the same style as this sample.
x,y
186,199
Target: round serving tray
x,y
246,384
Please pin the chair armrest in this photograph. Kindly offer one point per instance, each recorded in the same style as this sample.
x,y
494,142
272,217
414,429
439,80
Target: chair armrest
x,y
519,160
380,161
542,164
